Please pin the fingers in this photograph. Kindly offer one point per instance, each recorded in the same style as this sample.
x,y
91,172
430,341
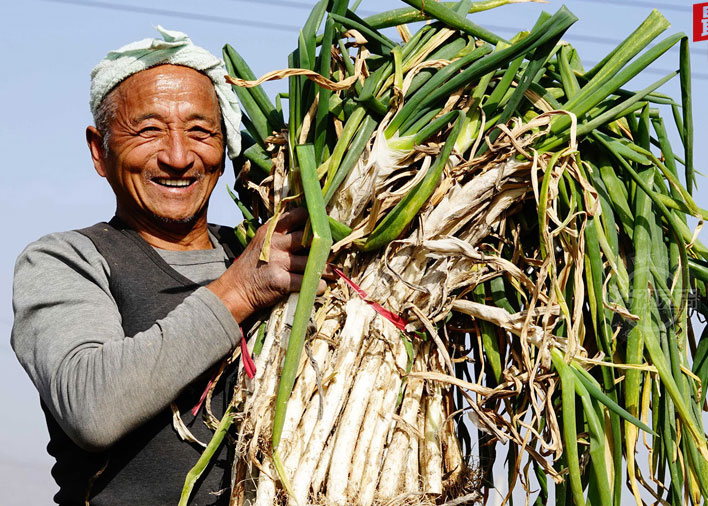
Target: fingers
x,y
296,263
321,287
292,220
289,231
291,241
295,283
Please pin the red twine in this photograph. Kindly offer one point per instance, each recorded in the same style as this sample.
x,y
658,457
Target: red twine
x,y
397,320
248,365
195,409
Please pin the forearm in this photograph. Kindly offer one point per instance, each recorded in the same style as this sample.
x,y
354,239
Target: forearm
x,y
101,391
99,383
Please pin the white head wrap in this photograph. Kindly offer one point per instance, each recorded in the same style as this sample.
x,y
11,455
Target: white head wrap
x,y
175,49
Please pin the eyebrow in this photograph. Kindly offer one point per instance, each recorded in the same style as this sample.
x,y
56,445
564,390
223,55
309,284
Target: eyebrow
x,y
191,117
144,117
199,116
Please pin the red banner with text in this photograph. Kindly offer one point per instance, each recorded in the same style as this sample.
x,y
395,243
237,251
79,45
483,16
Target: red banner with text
x,y
700,22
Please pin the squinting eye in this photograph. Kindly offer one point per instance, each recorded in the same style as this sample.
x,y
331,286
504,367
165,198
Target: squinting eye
x,y
201,132
150,129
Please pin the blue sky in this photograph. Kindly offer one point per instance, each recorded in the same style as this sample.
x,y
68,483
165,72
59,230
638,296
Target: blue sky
x,y
48,50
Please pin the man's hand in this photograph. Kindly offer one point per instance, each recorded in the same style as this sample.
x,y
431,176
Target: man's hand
x,y
250,284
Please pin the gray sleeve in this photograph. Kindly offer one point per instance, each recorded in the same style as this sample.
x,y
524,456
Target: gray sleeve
x,y
97,382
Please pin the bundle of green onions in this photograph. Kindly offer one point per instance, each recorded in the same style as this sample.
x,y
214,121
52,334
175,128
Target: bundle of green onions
x,y
523,216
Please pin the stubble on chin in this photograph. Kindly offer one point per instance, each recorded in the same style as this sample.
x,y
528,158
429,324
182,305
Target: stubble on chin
x,y
166,220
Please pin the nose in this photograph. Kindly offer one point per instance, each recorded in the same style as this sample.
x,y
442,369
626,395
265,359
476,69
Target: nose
x,y
175,153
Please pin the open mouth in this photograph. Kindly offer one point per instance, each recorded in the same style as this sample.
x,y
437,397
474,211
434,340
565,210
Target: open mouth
x,y
174,183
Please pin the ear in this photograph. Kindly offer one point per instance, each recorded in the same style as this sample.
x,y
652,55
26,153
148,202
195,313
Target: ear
x,y
94,139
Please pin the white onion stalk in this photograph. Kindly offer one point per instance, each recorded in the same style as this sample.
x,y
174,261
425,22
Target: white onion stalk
x,y
411,472
431,462
320,475
359,316
371,419
265,493
304,394
372,470
396,455
350,423
380,438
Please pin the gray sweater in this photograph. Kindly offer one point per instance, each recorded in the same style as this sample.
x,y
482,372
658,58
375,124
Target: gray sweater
x,y
99,383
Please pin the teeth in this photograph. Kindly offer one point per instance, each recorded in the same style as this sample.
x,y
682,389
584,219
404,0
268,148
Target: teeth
x,y
177,183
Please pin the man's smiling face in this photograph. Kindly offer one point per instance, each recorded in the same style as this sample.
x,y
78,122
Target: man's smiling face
x,y
165,147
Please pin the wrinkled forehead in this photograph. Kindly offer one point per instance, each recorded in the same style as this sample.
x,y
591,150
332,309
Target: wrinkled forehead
x,y
163,84
168,78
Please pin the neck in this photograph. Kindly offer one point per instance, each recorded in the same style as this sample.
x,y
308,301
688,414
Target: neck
x,y
193,235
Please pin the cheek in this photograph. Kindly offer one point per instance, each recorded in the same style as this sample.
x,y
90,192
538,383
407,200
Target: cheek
x,y
213,158
129,174
132,159
212,179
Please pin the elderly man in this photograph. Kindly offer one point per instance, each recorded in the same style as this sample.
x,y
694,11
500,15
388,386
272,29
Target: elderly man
x,y
117,322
